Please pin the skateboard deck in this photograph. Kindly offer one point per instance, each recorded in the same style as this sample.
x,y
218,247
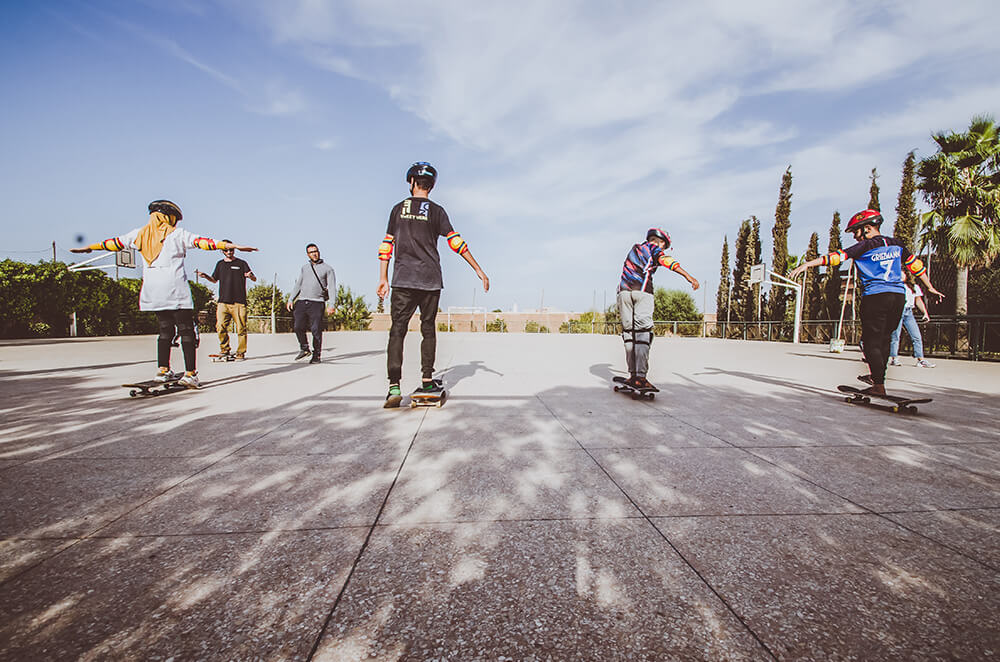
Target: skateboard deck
x,y
895,404
422,400
635,393
216,358
153,387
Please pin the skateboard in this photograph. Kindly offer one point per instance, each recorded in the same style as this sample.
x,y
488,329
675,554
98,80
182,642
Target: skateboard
x,y
422,400
217,358
636,393
857,396
153,387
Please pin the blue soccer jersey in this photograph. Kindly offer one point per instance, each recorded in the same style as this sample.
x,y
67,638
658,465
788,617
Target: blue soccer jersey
x,y
880,262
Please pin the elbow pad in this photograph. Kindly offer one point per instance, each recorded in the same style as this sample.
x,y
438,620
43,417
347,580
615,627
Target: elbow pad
x,y
834,259
113,244
669,263
456,243
916,266
206,244
385,248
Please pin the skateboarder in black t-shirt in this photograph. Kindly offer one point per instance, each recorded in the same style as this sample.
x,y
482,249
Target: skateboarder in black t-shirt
x,y
232,273
414,227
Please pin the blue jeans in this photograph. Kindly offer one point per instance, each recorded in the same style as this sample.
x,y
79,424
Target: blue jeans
x,y
912,330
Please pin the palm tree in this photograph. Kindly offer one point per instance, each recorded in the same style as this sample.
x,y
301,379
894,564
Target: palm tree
x,y
961,182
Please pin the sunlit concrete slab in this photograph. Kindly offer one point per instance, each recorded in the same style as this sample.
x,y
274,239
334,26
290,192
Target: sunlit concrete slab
x,y
598,431
713,481
18,555
844,586
888,478
975,533
530,590
50,498
747,512
483,485
198,597
267,493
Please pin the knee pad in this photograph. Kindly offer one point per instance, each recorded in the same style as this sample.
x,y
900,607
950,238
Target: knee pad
x,y
628,335
644,336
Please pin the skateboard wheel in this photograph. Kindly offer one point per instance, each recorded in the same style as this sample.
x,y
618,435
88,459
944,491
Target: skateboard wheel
x,y
895,409
848,399
133,393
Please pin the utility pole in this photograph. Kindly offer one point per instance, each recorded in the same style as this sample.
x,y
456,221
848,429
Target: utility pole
x,y
53,252
274,290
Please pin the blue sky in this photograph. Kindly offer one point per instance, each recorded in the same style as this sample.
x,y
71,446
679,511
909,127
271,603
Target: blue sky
x,y
561,130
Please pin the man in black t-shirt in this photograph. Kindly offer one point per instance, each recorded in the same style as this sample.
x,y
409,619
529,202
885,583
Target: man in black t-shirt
x,y
232,273
414,227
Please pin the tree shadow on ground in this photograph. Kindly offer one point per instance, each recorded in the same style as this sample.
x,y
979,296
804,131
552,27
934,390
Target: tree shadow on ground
x,y
715,522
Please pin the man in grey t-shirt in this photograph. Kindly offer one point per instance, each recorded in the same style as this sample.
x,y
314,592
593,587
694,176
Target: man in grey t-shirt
x,y
415,224
308,302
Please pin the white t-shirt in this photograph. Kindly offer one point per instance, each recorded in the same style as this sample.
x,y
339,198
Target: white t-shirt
x,y
911,295
165,282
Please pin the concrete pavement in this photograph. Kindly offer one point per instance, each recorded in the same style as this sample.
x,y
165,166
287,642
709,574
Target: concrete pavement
x,y
747,513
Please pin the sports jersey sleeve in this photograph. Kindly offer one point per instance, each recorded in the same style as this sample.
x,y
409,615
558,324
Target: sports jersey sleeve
x,y
455,241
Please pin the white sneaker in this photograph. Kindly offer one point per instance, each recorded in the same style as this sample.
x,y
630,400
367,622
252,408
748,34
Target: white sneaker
x,y
163,375
894,361
190,379
924,363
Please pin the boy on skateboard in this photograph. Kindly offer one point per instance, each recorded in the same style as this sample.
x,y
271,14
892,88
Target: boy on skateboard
x,y
414,227
165,288
635,302
880,262
232,273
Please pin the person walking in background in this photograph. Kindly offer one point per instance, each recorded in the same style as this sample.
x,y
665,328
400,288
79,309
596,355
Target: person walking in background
x,y
914,298
165,289
308,302
880,262
635,302
415,224
232,273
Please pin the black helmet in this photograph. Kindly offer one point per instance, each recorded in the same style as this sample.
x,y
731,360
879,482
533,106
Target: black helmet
x,y
422,169
165,207
659,234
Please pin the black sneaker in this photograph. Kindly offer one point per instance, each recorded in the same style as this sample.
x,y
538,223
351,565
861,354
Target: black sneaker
x,y
646,386
315,358
433,387
867,379
302,354
394,397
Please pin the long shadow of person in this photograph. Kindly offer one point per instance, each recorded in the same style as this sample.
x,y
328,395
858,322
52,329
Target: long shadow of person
x,y
456,373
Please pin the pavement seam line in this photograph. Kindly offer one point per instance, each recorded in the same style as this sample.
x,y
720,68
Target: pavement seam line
x,y
364,545
660,533
800,476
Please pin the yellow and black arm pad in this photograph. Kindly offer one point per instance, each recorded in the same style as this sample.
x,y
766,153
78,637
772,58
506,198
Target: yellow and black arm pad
x,y
207,244
385,248
456,243
113,244
834,259
916,266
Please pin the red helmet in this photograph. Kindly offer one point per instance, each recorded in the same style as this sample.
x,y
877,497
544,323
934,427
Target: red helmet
x,y
863,218
660,234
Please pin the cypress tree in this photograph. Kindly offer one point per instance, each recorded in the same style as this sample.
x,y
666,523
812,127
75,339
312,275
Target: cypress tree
x,y
906,210
741,275
755,304
873,192
833,280
722,296
777,298
812,287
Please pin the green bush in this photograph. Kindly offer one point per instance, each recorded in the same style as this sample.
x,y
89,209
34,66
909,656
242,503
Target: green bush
x,y
443,326
497,326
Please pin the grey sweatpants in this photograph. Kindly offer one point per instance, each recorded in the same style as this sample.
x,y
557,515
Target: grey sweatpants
x,y
636,311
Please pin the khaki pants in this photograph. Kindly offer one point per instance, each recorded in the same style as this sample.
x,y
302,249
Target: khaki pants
x,y
237,312
636,311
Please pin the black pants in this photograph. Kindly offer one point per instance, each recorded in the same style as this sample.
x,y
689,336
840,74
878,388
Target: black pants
x,y
181,322
309,315
404,302
880,315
